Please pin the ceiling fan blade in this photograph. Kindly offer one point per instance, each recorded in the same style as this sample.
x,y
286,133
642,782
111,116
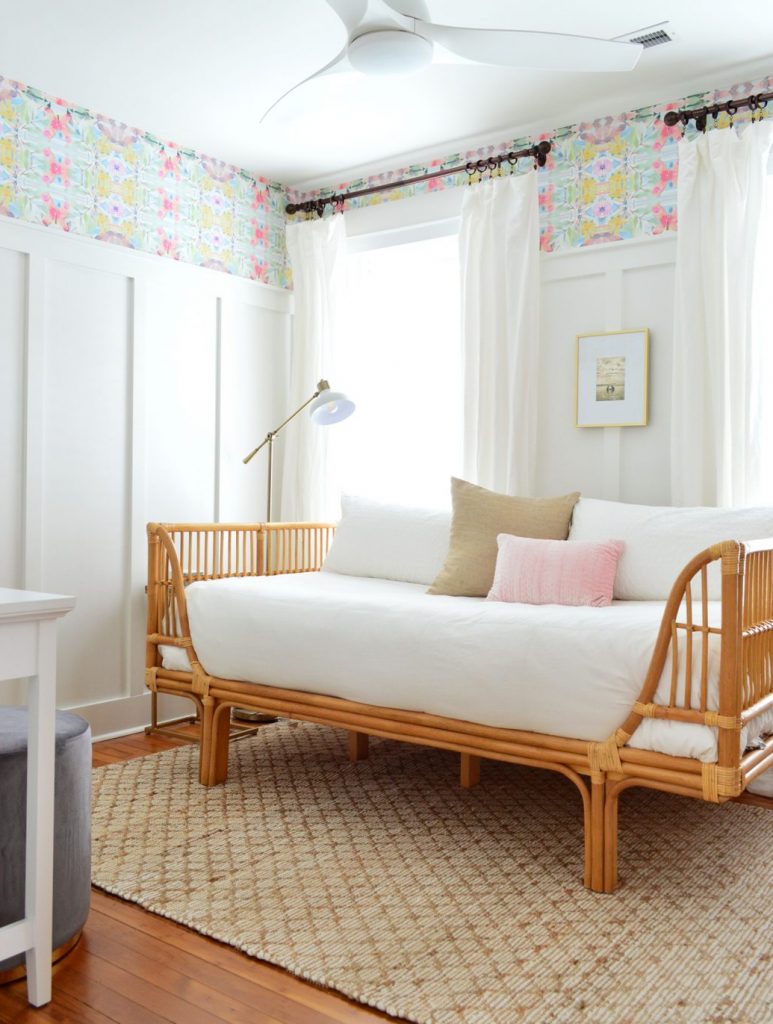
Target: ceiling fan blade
x,y
351,12
410,8
338,65
551,51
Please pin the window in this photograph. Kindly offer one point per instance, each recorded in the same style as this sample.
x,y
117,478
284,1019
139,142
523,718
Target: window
x,y
400,360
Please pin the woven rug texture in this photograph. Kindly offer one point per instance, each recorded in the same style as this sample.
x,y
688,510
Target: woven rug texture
x,y
388,882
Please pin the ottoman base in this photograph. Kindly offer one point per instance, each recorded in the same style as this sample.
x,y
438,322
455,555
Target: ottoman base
x,y
17,973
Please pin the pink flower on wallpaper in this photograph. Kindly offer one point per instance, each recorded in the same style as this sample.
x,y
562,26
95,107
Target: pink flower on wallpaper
x,y
259,270
546,238
258,234
58,169
169,205
666,219
260,199
167,245
667,175
667,134
170,165
58,126
56,213
545,198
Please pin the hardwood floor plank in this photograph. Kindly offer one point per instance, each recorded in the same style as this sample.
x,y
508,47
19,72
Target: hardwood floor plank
x,y
335,1006
85,984
245,991
188,986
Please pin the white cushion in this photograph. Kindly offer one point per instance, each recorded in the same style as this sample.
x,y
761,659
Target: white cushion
x,y
389,542
660,540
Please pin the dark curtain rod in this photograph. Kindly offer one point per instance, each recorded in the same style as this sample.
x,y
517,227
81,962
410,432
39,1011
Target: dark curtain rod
x,y
701,114
539,153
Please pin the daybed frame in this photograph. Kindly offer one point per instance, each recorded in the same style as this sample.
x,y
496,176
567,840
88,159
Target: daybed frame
x,y
179,554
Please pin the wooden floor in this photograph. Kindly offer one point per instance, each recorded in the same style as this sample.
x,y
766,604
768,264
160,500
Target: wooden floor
x,y
132,967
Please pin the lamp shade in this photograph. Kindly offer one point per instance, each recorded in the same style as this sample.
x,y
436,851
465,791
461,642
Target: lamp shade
x,y
330,407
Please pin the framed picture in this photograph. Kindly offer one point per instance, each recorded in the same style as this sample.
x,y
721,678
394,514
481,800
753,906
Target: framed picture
x,y
612,378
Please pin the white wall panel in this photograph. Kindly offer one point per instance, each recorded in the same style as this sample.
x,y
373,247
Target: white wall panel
x,y
86,439
569,459
252,403
13,277
181,368
648,301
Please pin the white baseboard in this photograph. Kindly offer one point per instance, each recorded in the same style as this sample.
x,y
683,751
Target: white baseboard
x,y
110,719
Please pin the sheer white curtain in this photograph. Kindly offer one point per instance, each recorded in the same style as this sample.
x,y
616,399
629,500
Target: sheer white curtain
x,y
499,250
317,249
721,345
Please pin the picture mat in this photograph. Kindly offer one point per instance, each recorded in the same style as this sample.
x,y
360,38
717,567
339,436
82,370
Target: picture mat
x,y
629,410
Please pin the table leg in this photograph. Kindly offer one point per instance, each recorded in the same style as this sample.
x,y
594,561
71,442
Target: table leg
x,y
40,815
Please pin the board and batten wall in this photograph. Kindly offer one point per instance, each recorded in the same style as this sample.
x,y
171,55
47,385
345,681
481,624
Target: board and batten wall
x,y
130,389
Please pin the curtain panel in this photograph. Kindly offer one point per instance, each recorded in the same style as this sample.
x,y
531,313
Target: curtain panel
x,y
721,346
310,488
499,249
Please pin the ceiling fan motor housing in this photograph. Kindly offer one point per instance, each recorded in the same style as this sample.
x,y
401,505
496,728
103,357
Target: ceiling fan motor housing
x,y
390,52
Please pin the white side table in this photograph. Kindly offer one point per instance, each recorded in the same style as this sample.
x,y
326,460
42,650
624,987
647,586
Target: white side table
x,y
28,648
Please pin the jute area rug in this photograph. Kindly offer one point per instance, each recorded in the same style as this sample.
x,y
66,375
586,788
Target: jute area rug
x,y
387,882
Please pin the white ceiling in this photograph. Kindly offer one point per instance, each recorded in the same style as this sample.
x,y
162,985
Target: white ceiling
x,y
201,72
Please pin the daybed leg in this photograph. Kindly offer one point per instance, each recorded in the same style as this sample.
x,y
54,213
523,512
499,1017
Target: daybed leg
x,y
610,837
598,792
215,732
358,746
470,771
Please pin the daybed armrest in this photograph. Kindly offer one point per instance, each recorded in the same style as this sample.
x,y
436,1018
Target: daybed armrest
x,y
746,660
182,553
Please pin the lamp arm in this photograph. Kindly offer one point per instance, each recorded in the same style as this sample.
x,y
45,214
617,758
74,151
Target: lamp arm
x,y
272,433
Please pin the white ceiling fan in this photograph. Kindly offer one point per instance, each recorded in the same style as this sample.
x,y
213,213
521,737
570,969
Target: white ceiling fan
x,y
397,37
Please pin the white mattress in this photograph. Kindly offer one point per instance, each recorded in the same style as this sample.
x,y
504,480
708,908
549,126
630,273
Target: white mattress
x,y
565,671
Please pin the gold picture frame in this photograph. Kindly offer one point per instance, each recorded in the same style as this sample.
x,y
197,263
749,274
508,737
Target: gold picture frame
x,y
612,378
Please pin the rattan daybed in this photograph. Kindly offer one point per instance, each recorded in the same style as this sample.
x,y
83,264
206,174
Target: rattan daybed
x,y
180,554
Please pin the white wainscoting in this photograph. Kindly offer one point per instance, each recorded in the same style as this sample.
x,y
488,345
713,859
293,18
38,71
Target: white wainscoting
x,y
610,287
130,389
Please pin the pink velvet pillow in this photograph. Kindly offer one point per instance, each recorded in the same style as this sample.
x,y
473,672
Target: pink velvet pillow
x,y
555,571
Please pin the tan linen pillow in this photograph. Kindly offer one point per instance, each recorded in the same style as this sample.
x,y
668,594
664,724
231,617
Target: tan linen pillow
x,y
479,515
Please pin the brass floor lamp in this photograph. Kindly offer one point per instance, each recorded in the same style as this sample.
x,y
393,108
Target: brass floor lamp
x,y
326,407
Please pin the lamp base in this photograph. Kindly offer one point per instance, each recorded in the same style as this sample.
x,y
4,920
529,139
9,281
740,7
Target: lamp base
x,y
248,715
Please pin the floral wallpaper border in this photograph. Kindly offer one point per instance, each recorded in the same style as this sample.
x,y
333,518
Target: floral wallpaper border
x,y
605,180
65,167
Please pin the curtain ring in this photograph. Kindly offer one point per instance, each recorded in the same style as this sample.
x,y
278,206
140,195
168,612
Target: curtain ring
x,y
732,110
512,159
685,119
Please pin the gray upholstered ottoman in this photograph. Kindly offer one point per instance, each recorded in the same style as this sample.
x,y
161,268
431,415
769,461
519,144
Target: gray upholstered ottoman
x,y
72,826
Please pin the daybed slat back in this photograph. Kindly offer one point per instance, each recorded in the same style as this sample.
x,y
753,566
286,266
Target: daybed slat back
x,y
296,547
